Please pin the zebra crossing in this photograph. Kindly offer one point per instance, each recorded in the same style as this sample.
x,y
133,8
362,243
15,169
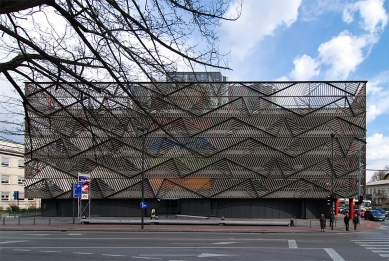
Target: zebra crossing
x,y
384,227
378,246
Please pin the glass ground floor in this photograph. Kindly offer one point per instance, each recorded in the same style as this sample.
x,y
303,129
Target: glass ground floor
x,y
228,208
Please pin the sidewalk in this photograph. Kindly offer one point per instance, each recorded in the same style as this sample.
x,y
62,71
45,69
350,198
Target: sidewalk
x,y
178,225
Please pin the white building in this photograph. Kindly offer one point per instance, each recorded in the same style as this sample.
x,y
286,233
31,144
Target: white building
x,y
378,191
12,177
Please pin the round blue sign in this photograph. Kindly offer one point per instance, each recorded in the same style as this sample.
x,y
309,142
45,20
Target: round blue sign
x,y
143,205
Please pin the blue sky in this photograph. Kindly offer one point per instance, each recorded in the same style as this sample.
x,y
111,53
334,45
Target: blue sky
x,y
308,40
318,40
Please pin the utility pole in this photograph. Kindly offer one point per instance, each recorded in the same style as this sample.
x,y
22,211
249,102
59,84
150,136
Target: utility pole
x,y
332,181
359,182
143,173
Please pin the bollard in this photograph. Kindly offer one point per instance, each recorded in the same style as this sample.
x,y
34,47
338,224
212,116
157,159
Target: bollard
x,y
291,222
3,220
33,222
49,220
310,223
18,220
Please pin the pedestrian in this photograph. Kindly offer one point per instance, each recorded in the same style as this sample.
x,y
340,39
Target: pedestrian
x,y
355,221
322,223
347,221
331,219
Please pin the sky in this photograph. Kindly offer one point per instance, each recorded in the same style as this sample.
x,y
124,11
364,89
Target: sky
x,y
276,40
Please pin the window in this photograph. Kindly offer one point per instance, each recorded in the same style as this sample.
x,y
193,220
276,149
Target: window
x,y
21,195
4,179
21,164
4,196
5,162
20,180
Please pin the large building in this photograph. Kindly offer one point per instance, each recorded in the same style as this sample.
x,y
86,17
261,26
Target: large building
x,y
12,178
231,149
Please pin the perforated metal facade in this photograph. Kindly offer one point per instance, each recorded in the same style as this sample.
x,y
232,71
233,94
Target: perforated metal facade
x,y
203,140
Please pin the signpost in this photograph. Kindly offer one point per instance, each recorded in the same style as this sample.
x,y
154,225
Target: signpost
x,y
77,191
143,205
84,182
76,194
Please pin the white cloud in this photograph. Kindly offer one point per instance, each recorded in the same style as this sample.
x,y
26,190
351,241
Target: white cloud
x,y
377,96
313,9
377,147
305,67
343,53
372,12
282,79
372,112
377,153
258,19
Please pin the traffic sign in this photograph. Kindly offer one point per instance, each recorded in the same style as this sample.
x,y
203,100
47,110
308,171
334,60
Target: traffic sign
x,y
143,205
77,190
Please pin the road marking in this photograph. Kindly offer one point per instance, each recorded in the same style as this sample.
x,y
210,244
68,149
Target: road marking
x,y
74,234
50,251
213,255
185,255
380,251
384,255
83,253
37,234
111,255
145,257
292,244
333,254
365,240
225,243
377,247
23,250
10,242
374,244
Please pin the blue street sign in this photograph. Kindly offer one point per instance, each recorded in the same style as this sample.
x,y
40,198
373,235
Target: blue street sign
x,y
143,205
77,190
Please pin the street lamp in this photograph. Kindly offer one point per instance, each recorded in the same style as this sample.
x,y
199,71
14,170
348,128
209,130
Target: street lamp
x,y
332,181
359,180
141,129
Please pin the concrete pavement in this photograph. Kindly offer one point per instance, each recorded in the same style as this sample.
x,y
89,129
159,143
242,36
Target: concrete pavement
x,y
186,224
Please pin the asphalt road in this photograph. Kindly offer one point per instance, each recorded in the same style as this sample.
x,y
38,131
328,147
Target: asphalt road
x,y
173,246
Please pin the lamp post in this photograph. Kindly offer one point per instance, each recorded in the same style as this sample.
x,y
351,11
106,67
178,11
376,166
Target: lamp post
x,y
141,129
359,180
332,180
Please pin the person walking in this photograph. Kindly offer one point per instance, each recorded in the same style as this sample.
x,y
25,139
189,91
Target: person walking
x,y
322,223
347,221
332,218
355,221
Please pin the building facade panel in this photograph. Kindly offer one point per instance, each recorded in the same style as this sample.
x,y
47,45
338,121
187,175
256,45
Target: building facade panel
x,y
221,141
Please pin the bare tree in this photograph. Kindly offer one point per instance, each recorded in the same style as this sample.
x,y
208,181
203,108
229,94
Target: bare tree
x,y
89,41
379,175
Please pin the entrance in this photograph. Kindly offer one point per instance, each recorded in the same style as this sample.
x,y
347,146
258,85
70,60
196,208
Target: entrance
x,y
169,207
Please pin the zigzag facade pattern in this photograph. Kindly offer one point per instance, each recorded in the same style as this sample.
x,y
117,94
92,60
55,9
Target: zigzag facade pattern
x,y
203,139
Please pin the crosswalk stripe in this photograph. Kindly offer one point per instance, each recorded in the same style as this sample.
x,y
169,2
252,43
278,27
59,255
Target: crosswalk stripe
x,y
378,244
